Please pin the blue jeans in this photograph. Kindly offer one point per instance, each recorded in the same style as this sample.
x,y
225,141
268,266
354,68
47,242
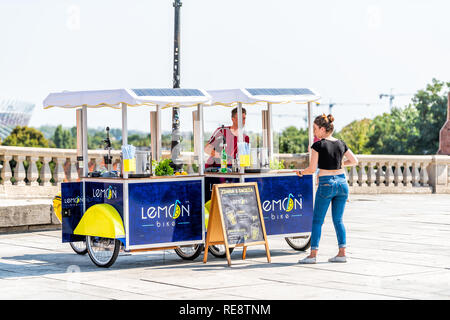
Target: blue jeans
x,y
334,190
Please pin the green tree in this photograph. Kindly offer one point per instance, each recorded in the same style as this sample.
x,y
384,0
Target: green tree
x,y
58,137
293,140
431,105
26,137
63,138
355,135
394,133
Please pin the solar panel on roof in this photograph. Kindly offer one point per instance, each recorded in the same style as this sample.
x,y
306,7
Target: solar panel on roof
x,y
279,92
176,92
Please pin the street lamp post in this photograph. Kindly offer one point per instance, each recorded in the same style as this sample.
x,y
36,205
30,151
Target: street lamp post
x,y
176,147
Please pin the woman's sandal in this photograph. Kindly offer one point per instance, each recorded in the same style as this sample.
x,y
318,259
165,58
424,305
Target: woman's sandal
x,y
307,260
338,259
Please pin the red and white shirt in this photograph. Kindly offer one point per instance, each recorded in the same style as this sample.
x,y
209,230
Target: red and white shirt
x,y
231,148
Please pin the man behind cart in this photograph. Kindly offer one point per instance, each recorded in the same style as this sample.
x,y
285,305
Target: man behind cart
x,y
227,135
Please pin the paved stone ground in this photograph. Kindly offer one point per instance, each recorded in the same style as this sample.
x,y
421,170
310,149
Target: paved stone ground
x,y
398,248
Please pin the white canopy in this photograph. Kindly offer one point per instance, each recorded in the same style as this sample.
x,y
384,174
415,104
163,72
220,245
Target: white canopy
x,y
231,97
131,97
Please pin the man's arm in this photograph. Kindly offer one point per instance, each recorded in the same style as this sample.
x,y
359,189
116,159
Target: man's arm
x,y
210,147
210,151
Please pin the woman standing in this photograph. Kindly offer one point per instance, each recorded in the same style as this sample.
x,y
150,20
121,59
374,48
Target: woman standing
x,y
328,154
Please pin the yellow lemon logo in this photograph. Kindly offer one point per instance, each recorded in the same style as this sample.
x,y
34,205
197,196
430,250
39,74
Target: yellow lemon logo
x,y
109,193
176,210
78,200
290,203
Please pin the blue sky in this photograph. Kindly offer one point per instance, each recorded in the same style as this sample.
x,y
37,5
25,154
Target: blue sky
x,y
350,51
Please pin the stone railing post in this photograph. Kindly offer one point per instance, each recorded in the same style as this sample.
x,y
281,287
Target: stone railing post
x,y
46,173
33,173
389,174
424,180
6,171
19,171
415,174
407,175
353,176
380,175
439,173
59,174
398,175
371,178
362,176
73,171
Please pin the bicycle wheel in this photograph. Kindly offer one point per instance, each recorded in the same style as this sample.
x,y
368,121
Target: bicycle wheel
x,y
102,251
218,251
301,243
79,247
189,252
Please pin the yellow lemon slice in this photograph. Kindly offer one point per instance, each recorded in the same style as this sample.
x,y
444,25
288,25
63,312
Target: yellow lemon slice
x,y
290,203
109,193
177,210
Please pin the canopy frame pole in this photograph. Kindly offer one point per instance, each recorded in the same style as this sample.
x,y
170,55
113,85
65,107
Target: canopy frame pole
x,y
158,133
240,139
310,129
155,130
269,131
201,147
84,130
124,134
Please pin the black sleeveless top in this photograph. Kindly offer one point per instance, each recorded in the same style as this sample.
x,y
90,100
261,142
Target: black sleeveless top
x,y
331,153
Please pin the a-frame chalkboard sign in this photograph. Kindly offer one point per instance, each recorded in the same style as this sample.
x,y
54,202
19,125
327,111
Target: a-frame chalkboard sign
x,y
235,218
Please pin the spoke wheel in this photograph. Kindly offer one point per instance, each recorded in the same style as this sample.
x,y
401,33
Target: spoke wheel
x,y
189,252
102,251
218,251
301,243
79,247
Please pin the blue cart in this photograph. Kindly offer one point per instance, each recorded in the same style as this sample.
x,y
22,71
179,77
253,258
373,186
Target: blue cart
x,y
286,199
103,215
122,211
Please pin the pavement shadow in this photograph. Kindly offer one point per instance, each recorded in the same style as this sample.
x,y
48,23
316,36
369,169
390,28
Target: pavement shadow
x,y
29,265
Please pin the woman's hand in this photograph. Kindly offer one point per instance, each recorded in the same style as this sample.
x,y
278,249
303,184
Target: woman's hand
x,y
300,173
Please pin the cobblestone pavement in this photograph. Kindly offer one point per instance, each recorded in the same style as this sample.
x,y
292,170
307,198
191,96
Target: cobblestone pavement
x,y
398,248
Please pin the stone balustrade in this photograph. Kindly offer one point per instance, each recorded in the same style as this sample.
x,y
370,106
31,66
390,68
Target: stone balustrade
x,y
400,174
38,172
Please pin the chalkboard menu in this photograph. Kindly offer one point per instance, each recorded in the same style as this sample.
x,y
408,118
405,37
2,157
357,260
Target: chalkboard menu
x,y
236,218
239,206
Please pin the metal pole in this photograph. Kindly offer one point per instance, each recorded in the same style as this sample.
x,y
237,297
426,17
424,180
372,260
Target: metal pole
x,y
270,131
240,139
124,134
85,141
201,146
310,129
175,148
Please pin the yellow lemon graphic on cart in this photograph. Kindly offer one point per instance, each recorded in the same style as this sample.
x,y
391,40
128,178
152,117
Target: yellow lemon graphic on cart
x,y
109,193
176,210
290,202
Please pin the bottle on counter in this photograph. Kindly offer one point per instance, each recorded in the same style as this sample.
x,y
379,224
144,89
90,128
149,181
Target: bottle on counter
x,y
224,156
224,160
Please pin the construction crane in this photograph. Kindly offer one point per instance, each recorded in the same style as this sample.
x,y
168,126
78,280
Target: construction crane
x,y
332,104
392,96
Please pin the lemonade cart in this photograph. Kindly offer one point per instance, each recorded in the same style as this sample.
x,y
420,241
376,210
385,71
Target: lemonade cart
x,y
117,210
286,199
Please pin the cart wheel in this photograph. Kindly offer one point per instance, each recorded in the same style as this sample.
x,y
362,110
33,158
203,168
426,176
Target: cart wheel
x,y
79,247
301,243
189,252
102,251
218,251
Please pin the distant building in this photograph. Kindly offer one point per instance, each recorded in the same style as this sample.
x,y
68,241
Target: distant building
x,y
13,112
